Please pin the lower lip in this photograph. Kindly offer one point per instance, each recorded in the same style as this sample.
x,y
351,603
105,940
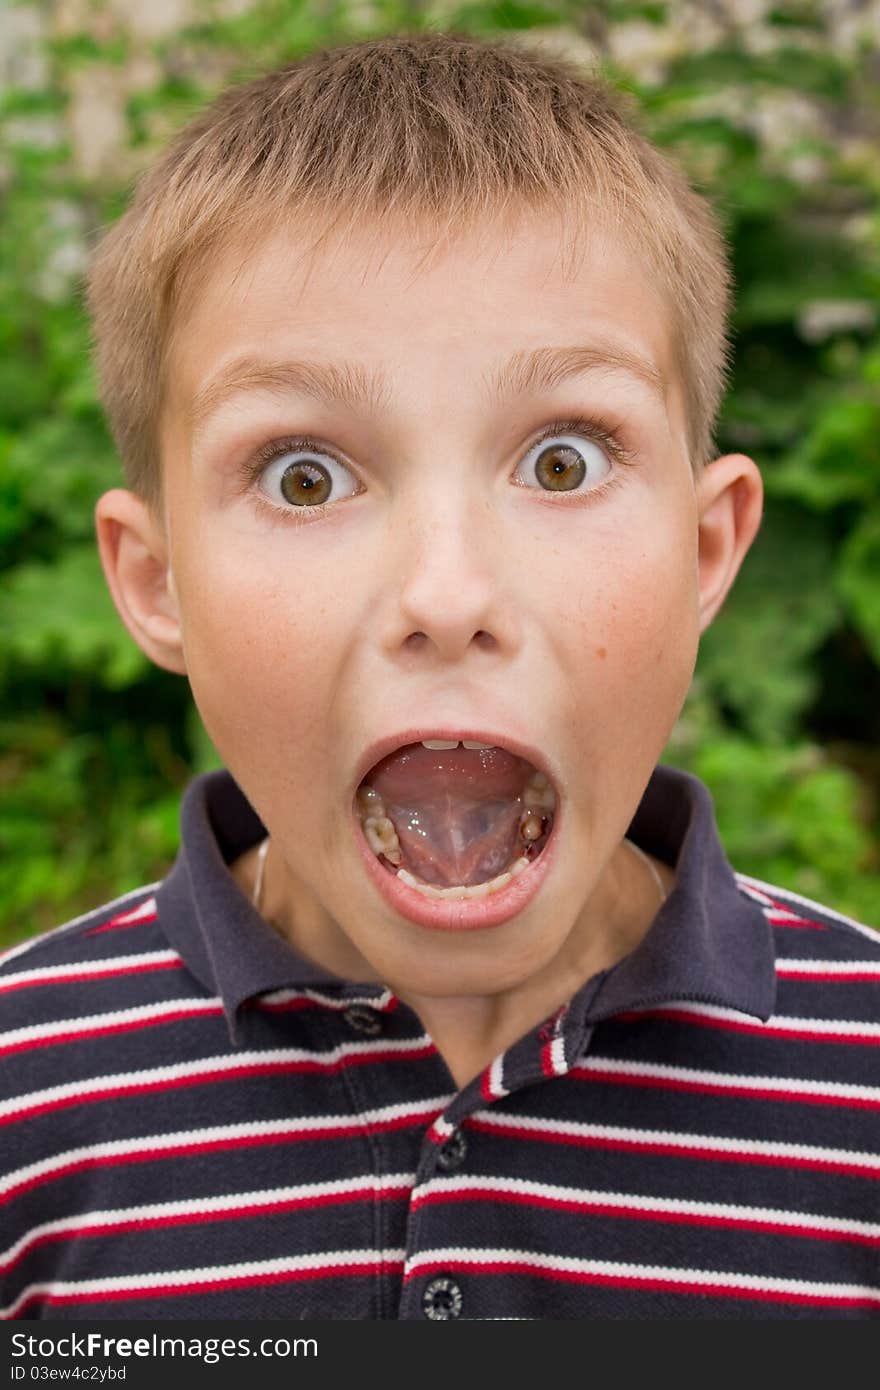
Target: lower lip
x,y
459,914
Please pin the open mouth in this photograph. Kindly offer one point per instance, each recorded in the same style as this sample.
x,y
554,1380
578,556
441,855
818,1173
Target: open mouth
x,y
456,820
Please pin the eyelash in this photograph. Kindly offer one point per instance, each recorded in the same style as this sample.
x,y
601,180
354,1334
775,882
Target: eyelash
x,y
596,430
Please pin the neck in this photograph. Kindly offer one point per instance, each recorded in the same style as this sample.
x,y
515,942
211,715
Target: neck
x,y
470,1031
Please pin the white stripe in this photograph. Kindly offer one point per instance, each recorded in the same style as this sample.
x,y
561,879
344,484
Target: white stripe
x,y
219,1134
286,996
74,922
180,1070
87,967
557,1056
710,1010
782,1084
127,919
368,1260
442,1128
814,906
843,968
198,1206
762,1148
592,1197
117,1018
750,892
783,1022
497,1087
759,1283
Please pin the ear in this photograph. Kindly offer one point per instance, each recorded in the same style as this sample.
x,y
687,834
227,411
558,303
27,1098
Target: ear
x,y
134,553
730,497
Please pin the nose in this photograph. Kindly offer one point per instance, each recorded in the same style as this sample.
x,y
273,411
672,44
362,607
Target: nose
x,y
453,577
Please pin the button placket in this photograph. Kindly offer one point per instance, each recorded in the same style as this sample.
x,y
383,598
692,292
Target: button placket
x,y
452,1151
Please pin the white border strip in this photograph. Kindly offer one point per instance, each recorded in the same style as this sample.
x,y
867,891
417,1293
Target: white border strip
x,y
861,927
108,965
159,1213
845,1090
459,1257
28,945
95,1086
671,1206
250,1272
159,1144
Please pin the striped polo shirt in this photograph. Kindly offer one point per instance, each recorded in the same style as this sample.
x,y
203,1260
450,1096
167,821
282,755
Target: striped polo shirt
x,y
198,1123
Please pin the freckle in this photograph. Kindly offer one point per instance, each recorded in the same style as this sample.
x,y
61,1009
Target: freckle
x,y
601,653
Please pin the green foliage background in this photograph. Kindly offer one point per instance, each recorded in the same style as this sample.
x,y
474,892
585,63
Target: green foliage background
x,y
784,716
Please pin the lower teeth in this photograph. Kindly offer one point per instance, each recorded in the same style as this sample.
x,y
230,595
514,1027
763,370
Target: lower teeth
x,y
539,803
475,890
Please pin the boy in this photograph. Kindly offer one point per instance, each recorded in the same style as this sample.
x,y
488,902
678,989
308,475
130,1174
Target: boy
x,y
451,1005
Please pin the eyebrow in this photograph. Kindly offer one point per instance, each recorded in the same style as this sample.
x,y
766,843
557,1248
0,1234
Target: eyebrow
x,y
351,384
327,382
545,368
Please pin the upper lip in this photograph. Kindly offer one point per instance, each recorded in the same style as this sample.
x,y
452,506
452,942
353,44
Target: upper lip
x,y
391,742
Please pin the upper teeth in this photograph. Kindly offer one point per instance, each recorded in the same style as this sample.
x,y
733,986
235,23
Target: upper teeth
x,y
453,743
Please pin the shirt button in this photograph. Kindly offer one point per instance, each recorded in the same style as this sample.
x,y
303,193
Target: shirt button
x,y
363,1020
452,1152
442,1299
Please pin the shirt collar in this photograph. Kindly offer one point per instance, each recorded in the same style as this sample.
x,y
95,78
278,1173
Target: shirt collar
x,y
709,942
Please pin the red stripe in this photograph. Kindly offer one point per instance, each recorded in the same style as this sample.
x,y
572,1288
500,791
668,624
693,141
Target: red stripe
x,y
438,1132
485,1085
205,1146
792,919
144,1223
120,923
547,1066
695,1150
729,1025
615,1209
663,1083
104,1029
632,1281
287,1005
799,924
6,986
207,1077
237,1281
793,973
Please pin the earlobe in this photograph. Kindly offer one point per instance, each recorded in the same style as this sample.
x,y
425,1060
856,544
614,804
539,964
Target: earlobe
x,y
134,555
730,498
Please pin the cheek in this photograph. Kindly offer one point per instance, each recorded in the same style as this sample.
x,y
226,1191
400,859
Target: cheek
x,y
634,643
261,659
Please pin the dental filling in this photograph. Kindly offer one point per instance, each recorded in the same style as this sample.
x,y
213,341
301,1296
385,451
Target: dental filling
x,y
454,819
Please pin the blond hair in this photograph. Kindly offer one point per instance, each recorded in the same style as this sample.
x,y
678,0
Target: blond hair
x,y
436,128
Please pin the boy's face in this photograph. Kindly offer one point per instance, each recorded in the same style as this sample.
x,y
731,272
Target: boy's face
x,y
444,585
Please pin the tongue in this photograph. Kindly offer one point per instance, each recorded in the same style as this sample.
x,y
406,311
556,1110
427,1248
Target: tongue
x,y
456,811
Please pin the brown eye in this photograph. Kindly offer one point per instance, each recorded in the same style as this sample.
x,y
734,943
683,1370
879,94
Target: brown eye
x,y
562,462
560,468
306,484
306,477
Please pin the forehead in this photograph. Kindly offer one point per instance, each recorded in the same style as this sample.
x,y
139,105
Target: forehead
x,y
506,308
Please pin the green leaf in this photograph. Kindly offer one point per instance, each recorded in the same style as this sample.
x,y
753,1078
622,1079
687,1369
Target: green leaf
x,y
59,468
837,461
858,579
755,657
788,816
54,616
